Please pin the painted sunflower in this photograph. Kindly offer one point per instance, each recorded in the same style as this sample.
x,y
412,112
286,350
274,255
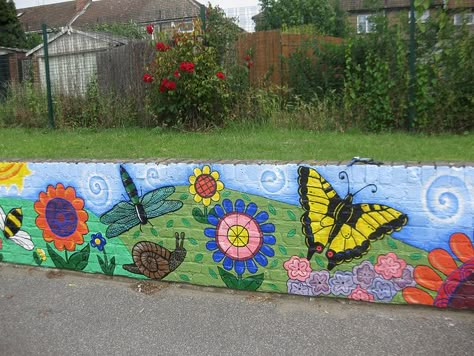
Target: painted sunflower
x,y
459,282
205,185
61,217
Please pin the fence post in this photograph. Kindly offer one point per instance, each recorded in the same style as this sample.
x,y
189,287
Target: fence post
x,y
48,78
412,69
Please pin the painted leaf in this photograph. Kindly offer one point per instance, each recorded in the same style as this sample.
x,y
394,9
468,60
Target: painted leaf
x,y
58,261
274,263
37,258
319,260
291,215
199,257
184,196
226,194
372,259
392,244
249,284
184,277
246,197
136,234
79,260
291,233
283,250
154,231
213,274
273,286
1,257
272,209
186,222
192,241
111,269
416,256
199,216
169,223
102,264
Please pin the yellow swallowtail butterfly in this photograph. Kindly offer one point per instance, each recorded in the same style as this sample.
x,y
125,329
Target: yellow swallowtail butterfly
x,y
344,228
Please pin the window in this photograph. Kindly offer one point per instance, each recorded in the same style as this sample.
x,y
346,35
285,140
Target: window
x,y
467,17
364,24
423,18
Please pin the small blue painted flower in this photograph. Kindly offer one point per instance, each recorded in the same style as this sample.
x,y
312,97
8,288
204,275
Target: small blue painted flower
x,y
240,237
98,241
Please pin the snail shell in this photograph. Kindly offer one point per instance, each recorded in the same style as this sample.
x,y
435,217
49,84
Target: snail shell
x,y
151,259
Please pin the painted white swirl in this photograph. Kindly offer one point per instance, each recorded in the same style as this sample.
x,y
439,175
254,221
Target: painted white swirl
x,y
99,190
152,176
445,198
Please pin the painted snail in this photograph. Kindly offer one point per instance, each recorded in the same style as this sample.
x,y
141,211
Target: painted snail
x,y
155,261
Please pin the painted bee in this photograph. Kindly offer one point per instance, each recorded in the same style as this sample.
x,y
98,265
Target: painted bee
x,y
10,224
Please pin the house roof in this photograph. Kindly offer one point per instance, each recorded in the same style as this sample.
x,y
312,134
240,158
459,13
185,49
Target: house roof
x,y
12,50
98,36
54,15
140,11
358,5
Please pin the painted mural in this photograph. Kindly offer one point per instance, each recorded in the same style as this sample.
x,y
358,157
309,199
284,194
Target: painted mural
x,y
390,234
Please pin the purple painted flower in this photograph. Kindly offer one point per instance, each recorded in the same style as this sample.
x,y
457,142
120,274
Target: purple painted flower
x,y
364,274
341,283
298,287
319,282
382,289
406,280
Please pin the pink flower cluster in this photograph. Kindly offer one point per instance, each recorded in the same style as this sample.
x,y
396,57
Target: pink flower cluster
x,y
365,282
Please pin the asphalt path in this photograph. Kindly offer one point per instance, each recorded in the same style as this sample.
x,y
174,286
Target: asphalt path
x,y
51,312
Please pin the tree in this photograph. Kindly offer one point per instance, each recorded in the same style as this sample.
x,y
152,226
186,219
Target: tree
x,y
11,32
322,14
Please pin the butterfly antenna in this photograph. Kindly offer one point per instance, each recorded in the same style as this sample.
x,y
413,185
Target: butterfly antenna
x,y
343,175
373,186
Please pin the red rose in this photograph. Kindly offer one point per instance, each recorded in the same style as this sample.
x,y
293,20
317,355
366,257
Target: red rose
x,y
171,85
147,78
220,75
249,64
247,58
177,74
186,67
150,28
163,84
167,85
160,46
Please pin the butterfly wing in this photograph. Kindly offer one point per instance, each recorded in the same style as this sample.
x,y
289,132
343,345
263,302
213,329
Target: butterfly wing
x,y
122,217
368,222
319,201
23,239
155,204
2,219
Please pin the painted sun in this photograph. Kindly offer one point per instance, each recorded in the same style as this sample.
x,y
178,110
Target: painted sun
x,y
13,173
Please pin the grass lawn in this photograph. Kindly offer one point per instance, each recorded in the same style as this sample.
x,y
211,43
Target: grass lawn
x,y
256,143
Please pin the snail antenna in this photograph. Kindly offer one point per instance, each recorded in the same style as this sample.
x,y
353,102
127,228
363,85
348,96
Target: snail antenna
x,y
182,240
343,175
176,236
373,186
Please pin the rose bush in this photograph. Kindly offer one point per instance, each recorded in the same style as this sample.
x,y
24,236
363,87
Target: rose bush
x,y
186,86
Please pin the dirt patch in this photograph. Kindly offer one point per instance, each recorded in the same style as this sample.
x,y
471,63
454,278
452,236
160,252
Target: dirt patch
x,y
148,288
55,274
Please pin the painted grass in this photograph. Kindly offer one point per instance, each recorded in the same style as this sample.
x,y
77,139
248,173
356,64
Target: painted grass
x,y
242,143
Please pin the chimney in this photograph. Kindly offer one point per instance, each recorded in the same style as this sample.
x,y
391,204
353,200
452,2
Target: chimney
x,y
81,4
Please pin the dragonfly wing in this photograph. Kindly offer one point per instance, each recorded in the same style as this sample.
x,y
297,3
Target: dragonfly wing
x,y
157,195
121,226
23,239
118,212
165,207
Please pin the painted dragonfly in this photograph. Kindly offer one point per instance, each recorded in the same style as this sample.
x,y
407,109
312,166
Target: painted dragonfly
x,y
128,214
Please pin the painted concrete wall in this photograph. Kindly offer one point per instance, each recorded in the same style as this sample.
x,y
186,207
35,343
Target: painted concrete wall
x,y
390,234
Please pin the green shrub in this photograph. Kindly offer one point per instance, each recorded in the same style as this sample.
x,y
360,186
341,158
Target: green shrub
x,y
187,88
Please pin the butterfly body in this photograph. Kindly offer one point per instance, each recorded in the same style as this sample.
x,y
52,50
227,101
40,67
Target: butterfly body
x,y
11,224
139,210
342,228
